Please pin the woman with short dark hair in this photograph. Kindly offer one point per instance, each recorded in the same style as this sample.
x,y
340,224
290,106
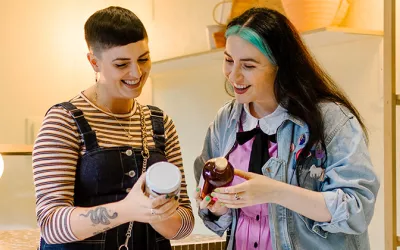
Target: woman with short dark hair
x,y
92,152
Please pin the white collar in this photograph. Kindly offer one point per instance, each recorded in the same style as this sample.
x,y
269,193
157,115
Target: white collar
x,y
269,124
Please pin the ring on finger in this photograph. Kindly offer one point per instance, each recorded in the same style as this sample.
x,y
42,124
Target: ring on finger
x,y
152,211
237,197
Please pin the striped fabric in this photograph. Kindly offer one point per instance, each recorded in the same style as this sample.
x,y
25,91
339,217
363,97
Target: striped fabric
x,y
56,153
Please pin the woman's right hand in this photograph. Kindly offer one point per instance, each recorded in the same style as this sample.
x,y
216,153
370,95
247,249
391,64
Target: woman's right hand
x,y
148,210
217,208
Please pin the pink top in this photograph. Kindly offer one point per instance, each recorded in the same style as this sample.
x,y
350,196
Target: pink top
x,y
252,231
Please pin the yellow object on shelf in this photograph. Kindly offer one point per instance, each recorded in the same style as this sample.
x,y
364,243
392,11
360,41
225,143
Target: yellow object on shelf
x,y
219,39
313,14
240,6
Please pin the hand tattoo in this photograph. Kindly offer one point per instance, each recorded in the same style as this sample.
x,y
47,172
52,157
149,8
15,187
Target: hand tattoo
x,y
100,216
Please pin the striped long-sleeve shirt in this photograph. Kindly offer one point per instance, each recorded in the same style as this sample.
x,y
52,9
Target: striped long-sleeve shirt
x,y
58,147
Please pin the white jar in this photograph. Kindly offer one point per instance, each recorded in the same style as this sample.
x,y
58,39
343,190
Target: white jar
x,y
163,178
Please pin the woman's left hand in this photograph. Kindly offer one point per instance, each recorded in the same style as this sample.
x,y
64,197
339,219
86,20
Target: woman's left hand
x,y
257,189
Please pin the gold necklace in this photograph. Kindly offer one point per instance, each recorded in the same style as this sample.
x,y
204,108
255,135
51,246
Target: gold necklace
x,y
128,133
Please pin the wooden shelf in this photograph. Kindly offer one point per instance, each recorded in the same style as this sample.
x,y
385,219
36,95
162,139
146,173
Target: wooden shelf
x,y
321,37
187,61
16,149
336,35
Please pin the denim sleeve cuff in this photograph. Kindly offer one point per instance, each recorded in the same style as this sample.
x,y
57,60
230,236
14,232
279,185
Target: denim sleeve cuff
x,y
336,203
216,224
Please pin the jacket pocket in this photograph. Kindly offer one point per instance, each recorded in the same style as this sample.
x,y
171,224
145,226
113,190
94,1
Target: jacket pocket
x,y
310,224
273,168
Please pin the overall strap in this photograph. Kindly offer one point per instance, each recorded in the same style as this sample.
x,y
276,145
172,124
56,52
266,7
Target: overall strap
x,y
157,121
88,135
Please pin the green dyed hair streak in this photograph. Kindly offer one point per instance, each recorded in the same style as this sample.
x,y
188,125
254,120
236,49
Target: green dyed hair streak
x,y
252,37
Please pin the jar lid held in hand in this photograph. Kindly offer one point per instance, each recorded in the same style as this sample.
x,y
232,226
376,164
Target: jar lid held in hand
x,y
163,177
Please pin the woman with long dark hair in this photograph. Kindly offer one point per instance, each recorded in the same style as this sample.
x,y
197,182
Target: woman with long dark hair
x,y
304,177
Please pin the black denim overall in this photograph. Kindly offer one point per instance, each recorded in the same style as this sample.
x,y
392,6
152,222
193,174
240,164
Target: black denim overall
x,y
105,175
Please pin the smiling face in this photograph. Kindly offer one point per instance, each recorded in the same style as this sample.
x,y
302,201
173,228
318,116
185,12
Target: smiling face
x,y
249,72
123,70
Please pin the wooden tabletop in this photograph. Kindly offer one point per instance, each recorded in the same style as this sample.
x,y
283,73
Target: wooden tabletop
x,y
28,239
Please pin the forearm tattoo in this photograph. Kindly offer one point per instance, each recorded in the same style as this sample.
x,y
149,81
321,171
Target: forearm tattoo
x,y
100,216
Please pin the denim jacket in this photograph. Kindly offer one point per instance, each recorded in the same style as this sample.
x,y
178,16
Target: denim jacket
x,y
349,186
